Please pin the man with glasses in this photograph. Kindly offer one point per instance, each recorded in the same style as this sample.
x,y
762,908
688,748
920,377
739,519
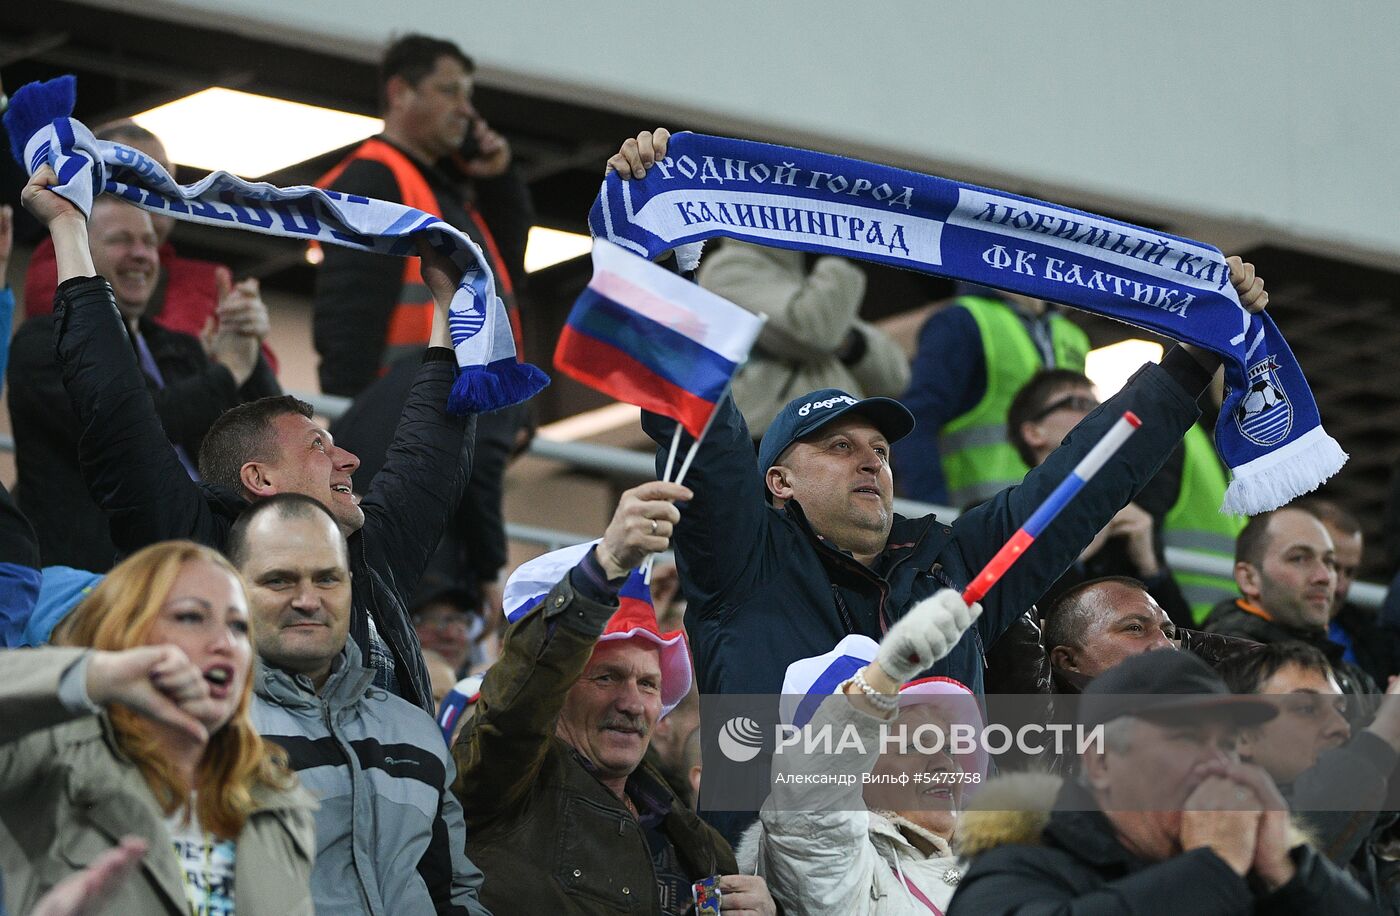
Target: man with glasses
x,y
446,624
1041,415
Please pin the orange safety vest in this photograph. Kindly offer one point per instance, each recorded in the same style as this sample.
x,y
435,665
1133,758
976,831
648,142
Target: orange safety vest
x,y
411,322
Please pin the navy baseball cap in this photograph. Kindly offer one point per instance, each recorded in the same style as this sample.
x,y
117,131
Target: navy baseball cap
x,y
805,415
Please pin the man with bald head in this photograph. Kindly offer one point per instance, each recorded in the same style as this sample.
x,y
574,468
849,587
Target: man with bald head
x,y
1286,570
390,837
190,381
1099,623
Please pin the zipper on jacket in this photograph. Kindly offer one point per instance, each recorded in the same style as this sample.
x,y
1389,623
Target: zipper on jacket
x,y
353,766
847,623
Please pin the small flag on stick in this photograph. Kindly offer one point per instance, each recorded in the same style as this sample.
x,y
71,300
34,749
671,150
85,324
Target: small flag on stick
x,y
649,337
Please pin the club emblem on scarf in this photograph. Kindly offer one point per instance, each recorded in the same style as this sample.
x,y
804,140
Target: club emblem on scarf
x,y
1265,416
466,322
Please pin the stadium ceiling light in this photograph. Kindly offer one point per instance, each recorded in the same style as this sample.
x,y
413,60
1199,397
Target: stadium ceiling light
x,y
547,247
250,135
1110,367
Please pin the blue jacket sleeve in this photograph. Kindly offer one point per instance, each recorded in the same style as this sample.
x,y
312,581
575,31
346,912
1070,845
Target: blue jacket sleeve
x,y
948,378
1164,398
7,317
19,570
721,530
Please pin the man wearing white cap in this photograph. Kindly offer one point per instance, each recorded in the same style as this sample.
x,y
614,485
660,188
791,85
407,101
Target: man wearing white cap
x,y
562,815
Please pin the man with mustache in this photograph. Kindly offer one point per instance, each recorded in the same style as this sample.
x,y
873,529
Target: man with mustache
x,y
389,832
563,815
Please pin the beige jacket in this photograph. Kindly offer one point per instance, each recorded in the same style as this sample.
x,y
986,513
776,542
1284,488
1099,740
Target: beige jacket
x,y
809,317
67,795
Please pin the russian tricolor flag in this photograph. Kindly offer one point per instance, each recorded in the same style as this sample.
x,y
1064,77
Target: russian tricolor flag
x,y
649,337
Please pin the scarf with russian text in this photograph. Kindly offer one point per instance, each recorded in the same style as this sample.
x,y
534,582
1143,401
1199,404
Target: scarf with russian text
x,y
490,376
1269,431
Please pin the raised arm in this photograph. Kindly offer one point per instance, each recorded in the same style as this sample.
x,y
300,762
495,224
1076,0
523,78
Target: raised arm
x,y
128,461
499,756
1164,398
421,480
718,543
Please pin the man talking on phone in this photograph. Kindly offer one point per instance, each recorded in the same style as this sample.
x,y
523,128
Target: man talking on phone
x,y
373,315
436,154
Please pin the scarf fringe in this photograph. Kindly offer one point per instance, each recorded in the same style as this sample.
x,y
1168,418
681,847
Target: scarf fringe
x,y
495,386
36,106
1279,477
39,124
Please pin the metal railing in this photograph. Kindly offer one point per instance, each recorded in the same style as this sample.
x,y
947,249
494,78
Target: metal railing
x,y
626,465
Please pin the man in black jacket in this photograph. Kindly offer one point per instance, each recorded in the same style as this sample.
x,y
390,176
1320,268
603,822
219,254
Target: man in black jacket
x,y
1286,570
189,387
1164,818
267,447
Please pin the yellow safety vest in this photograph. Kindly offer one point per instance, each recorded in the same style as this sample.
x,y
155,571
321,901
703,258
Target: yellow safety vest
x,y
1196,523
978,461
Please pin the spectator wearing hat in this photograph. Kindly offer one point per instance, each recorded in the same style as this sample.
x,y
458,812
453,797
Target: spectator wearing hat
x,y
563,816
882,848
765,588
1163,817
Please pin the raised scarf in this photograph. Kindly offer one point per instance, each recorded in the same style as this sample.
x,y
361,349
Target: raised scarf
x,y
490,376
1269,431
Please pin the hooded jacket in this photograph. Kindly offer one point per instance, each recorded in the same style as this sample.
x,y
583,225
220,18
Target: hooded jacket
x,y
389,835
1027,858
68,794
136,478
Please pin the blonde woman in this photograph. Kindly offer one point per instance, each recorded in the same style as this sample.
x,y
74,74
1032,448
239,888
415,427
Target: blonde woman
x,y
139,726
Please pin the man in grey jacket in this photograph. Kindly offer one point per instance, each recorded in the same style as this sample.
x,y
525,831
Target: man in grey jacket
x,y
390,836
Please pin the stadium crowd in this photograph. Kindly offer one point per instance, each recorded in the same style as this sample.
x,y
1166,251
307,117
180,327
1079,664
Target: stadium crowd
x,y
250,661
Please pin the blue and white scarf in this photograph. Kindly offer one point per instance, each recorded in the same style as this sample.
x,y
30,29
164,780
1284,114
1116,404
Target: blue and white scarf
x,y
42,133
1269,431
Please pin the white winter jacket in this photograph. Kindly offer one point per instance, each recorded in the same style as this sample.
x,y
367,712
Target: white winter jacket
x,y
832,855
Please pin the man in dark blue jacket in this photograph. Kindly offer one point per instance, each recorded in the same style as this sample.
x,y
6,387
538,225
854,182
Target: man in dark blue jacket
x,y
781,560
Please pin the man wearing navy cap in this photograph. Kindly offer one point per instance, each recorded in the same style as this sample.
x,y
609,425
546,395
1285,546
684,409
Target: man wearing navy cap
x,y
781,561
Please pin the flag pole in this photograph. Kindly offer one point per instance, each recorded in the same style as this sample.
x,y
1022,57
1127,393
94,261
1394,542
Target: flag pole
x,y
685,466
695,446
671,454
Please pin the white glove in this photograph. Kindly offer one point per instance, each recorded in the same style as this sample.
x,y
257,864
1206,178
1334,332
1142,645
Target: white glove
x,y
925,634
